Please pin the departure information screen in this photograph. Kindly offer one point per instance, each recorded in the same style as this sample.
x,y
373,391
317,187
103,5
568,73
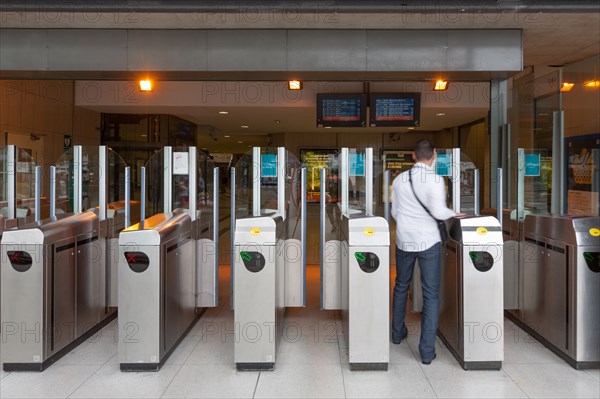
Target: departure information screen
x,y
341,110
394,109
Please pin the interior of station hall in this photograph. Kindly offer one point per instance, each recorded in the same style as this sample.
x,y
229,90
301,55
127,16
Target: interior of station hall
x,y
521,108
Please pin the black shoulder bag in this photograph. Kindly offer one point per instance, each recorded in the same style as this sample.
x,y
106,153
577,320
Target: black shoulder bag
x,y
441,224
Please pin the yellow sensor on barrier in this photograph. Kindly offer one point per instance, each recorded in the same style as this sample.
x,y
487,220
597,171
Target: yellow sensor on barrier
x,y
595,232
369,231
482,231
255,231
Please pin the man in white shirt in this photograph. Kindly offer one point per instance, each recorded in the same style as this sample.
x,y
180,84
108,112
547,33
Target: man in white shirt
x,y
418,237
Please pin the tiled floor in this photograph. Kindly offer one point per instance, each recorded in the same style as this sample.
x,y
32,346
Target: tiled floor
x,y
312,362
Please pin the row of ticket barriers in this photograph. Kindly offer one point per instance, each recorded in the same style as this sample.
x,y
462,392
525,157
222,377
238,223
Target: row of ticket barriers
x,y
65,277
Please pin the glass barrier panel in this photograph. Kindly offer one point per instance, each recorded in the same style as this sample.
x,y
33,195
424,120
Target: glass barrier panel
x,y
244,179
181,178
443,167
534,183
64,182
205,195
3,180
154,184
356,180
90,177
467,184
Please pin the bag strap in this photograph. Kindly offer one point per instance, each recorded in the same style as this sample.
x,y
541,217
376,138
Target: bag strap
x,y
415,194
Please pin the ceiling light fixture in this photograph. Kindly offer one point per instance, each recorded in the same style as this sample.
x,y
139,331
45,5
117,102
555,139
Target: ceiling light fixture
x,y
224,112
245,126
411,128
240,142
592,83
226,136
146,85
440,114
440,85
295,85
566,87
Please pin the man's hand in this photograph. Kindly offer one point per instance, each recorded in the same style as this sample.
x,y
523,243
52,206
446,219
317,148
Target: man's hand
x,y
460,215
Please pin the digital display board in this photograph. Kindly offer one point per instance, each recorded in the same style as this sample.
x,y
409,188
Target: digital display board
x,y
395,109
341,110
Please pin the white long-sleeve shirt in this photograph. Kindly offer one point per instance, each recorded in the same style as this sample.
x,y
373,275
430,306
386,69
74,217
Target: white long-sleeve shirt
x,y
415,229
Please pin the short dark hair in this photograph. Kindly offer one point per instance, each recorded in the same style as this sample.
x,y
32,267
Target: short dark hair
x,y
424,150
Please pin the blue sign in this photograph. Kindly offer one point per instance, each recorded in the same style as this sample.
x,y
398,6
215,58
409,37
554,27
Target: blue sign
x,y
443,165
268,165
532,164
357,164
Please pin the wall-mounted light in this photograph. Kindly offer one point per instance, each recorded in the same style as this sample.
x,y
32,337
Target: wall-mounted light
x,y
440,85
294,85
223,112
566,87
146,85
592,83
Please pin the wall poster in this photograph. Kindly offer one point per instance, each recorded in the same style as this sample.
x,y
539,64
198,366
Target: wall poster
x,y
396,161
314,160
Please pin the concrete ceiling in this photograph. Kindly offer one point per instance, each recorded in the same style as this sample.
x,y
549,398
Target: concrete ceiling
x,y
550,36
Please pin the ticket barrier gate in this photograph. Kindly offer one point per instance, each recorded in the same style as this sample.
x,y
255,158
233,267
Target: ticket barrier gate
x,y
560,275
471,293
259,291
268,260
355,263
157,277
365,291
51,299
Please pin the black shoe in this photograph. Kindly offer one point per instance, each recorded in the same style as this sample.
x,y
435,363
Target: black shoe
x,y
399,341
428,361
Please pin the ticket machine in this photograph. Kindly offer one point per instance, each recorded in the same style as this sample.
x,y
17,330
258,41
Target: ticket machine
x,y
268,253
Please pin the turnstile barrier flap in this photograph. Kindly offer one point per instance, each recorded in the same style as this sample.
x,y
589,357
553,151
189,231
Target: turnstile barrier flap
x,y
157,229
50,230
258,230
367,231
482,230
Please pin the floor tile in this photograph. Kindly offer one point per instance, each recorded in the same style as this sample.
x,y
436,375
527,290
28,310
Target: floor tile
x,y
58,381
521,348
212,381
92,352
111,382
213,349
307,351
443,355
3,373
301,381
451,381
594,373
402,354
400,381
183,350
553,381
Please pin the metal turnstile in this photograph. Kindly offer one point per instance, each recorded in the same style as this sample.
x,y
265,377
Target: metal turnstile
x,y
561,286
51,300
365,291
355,261
259,291
268,253
157,277
471,293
